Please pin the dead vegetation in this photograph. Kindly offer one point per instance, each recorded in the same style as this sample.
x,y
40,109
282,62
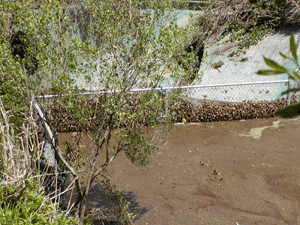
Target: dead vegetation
x,y
293,12
16,152
209,111
241,17
22,172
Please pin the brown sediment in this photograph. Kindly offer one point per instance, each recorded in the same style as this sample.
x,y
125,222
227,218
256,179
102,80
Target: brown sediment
x,y
63,119
212,175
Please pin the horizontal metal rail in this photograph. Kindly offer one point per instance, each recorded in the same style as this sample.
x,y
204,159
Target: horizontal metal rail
x,y
190,5
168,88
192,2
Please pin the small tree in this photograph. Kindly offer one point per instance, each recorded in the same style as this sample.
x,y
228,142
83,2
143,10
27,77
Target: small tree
x,y
127,44
292,110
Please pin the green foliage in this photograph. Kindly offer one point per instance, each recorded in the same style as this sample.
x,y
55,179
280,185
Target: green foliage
x,y
252,36
139,149
122,204
113,46
258,25
293,110
48,49
289,111
232,54
29,206
36,50
218,65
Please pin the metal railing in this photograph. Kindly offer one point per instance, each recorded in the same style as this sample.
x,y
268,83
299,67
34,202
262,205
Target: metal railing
x,y
239,92
191,5
62,174
232,92
223,93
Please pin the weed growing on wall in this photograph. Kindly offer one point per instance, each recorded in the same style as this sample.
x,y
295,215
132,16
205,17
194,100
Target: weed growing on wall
x,y
247,22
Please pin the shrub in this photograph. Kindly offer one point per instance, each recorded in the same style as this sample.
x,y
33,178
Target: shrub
x,y
29,206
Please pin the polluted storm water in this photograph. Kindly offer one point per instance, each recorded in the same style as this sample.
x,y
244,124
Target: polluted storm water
x,y
207,173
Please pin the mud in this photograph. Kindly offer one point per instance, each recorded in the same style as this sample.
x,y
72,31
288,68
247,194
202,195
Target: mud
x,y
214,173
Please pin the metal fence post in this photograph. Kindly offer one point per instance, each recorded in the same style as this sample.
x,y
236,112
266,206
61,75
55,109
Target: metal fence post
x,y
288,96
167,104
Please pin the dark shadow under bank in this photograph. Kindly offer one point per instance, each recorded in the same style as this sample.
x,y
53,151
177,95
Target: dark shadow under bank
x,y
102,207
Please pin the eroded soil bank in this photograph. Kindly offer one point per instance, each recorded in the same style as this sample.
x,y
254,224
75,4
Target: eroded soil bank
x,y
238,172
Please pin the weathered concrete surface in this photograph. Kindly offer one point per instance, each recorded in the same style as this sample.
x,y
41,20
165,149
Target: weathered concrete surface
x,y
181,17
243,68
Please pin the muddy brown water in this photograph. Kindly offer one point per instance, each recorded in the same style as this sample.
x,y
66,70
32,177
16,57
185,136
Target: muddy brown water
x,y
238,172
